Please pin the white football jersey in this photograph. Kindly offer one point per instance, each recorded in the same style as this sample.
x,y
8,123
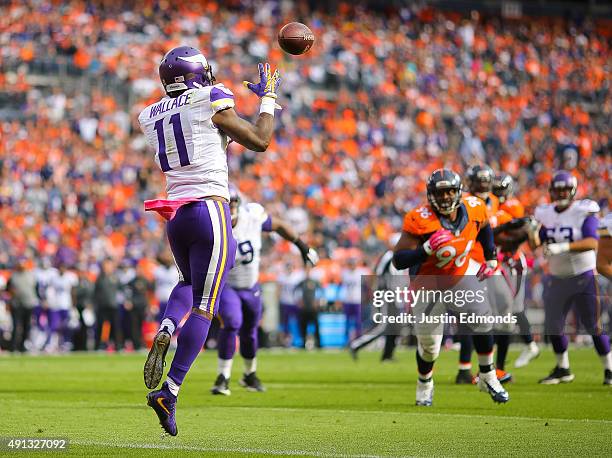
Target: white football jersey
x,y
287,284
351,285
59,292
43,278
567,227
188,147
247,233
166,278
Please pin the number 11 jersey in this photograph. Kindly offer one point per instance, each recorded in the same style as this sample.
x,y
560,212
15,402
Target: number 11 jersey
x,y
188,147
452,258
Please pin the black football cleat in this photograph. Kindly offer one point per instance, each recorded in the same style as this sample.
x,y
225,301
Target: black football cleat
x,y
252,383
464,377
221,386
557,376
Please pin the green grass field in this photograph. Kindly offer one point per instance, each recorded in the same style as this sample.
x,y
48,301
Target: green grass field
x,y
317,404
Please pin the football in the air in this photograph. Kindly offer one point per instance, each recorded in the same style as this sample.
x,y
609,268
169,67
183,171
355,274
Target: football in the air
x,y
295,38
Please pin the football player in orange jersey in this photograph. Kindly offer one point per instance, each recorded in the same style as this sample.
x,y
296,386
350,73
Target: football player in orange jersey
x,y
437,239
479,180
480,184
503,187
514,261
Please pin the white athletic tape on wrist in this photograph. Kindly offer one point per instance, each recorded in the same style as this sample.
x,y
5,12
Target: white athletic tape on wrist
x,y
267,105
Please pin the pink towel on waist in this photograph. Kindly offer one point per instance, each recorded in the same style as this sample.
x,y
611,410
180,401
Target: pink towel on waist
x,y
167,208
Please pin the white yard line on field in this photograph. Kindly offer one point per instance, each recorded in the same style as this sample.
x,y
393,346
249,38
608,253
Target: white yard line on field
x,y
193,448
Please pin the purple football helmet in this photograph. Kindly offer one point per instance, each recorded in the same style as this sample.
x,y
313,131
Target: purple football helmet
x,y
234,203
563,188
185,68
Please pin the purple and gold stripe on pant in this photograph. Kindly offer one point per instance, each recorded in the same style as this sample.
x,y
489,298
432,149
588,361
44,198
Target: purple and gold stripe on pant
x,y
219,257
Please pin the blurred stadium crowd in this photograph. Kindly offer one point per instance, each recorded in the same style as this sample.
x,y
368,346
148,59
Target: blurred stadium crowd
x,y
381,100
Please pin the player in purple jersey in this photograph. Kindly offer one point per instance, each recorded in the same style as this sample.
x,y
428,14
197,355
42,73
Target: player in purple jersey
x,y
188,131
568,232
241,305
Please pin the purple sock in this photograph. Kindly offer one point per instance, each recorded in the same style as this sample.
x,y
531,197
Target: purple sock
x,y
602,344
179,303
559,343
190,343
227,342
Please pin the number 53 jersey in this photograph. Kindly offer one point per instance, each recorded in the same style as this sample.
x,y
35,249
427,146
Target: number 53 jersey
x,y
452,258
252,220
188,147
568,226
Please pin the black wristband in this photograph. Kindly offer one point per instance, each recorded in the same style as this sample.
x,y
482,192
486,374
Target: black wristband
x,y
301,245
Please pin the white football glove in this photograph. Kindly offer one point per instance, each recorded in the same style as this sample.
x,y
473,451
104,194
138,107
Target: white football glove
x,y
556,248
312,256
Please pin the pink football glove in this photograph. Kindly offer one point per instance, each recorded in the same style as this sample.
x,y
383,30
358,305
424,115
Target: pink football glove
x,y
437,239
487,269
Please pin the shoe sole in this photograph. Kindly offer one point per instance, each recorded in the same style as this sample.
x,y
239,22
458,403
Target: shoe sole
x,y
423,404
485,389
556,381
217,391
161,415
465,382
506,379
250,388
154,365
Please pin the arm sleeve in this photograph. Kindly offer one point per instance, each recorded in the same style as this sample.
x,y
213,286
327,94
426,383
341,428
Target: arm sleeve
x,y
515,223
403,259
221,98
589,227
485,237
266,226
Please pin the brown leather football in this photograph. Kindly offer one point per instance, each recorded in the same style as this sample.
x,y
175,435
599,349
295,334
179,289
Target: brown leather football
x,y
295,38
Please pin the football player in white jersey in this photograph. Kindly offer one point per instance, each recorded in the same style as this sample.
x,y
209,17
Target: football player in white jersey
x,y
350,295
604,251
289,277
59,297
188,131
166,277
568,233
387,278
241,305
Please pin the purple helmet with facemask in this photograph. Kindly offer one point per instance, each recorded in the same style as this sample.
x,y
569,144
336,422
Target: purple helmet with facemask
x,y
563,188
185,68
